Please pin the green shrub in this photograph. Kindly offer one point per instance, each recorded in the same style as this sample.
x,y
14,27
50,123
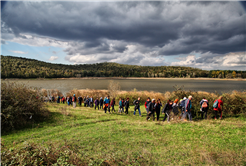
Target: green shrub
x,y
20,105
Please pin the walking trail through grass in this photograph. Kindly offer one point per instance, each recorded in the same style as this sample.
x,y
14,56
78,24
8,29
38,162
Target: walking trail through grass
x,y
91,137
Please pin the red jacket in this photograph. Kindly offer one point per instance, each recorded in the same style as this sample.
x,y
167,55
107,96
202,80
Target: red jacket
x,y
220,103
145,104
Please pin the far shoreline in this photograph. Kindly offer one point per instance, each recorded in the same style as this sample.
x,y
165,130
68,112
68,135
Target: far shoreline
x,y
127,78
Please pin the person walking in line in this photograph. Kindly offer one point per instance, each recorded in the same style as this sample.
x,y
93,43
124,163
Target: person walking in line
x,y
204,107
123,105
188,106
74,101
167,110
182,107
218,107
146,104
137,106
101,103
88,101
84,101
70,100
63,99
96,103
80,100
67,100
58,99
151,111
109,104
112,103
91,102
127,105
158,109
106,104
175,106
120,106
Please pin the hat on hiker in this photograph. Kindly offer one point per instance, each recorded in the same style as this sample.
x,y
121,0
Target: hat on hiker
x,y
190,97
184,98
153,99
73,94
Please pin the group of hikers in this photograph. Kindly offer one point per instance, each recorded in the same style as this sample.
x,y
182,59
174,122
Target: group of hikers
x,y
152,106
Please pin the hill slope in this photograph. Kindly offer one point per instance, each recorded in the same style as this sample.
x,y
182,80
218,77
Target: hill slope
x,y
16,67
84,136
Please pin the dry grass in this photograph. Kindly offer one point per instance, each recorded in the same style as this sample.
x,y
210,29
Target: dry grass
x,y
51,92
89,92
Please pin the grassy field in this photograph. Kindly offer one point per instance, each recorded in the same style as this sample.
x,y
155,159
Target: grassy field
x,y
84,136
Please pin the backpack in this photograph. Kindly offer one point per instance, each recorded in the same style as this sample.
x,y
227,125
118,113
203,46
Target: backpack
x,y
149,106
180,107
125,103
164,110
134,102
175,109
204,104
215,105
73,99
182,104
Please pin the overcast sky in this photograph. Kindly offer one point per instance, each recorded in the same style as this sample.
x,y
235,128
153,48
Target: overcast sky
x,y
207,35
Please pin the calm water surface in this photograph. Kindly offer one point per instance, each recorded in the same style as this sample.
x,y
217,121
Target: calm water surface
x,y
158,85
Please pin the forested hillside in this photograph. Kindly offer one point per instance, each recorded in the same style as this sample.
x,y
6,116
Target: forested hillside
x,y
15,67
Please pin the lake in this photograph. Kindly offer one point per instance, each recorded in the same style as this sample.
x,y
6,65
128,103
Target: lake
x,y
157,85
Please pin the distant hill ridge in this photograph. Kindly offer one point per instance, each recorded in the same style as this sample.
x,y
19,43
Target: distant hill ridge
x,y
17,67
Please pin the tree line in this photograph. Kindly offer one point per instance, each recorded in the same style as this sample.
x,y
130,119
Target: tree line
x,y
17,67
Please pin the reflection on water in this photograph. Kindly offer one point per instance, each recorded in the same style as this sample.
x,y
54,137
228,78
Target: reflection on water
x,y
158,85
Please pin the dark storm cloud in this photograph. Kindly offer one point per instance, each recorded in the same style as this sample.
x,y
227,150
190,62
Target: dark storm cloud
x,y
108,27
102,46
205,3
3,4
207,58
243,3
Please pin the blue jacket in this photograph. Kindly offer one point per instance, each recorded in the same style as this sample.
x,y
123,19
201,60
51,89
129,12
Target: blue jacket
x,y
120,103
106,101
182,103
